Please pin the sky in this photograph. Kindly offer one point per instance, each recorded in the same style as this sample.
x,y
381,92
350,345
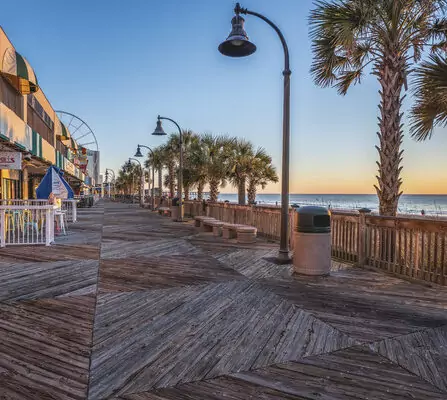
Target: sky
x,y
118,64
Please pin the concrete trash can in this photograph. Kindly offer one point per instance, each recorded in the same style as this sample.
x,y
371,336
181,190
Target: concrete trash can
x,y
174,213
312,240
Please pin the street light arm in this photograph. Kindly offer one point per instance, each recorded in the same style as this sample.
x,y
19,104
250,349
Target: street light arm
x,y
134,159
175,123
146,147
240,10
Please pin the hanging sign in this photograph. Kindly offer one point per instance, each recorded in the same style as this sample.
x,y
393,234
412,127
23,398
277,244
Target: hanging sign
x,y
57,186
10,160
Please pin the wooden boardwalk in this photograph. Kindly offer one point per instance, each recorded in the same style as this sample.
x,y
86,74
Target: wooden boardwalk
x,y
133,306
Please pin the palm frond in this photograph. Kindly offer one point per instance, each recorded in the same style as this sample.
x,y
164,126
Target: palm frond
x,y
430,109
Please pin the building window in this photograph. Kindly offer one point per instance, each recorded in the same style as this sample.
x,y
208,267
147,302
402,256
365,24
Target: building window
x,y
37,107
10,97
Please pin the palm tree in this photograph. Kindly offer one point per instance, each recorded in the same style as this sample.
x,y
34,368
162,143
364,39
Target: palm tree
x,y
261,173
430,109
198,157
170,155
156,158
242,158
217,154
349,36
128,177
190,141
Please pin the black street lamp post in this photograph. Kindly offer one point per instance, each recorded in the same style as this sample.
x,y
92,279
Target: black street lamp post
x,y
238,45
138,154
160,132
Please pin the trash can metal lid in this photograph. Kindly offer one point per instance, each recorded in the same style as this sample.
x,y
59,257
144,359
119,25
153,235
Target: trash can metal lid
x,y
313,219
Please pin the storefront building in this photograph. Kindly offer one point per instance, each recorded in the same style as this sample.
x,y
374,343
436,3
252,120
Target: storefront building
x,y
31,133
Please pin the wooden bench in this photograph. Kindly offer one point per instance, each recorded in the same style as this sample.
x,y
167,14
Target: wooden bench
x,y
229,231
198,220
212,225
166,211
246,234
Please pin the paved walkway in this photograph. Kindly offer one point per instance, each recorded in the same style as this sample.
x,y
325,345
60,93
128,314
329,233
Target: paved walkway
x,y
133,306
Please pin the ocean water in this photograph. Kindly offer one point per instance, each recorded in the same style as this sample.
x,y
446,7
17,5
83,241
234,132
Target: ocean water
x,y
408,204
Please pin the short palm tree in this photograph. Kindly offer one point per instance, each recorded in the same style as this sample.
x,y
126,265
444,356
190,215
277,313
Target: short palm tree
x,y
241,159
387,36
156,158
217,153
261,173
170,156
430,109
128,179
199,158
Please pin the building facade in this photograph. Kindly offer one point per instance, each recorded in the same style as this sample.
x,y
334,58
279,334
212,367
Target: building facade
x,y
32,137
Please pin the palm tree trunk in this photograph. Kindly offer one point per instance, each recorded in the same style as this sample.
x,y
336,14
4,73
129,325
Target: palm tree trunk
x,y
186,190
214,190
241,191
160,184
200,191
171,173
251,192
390,73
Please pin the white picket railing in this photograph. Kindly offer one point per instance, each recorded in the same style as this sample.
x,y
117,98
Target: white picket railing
x,y
69,205
26,225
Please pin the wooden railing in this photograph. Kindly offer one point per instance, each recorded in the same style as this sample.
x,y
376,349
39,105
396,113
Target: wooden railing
x,y
412,247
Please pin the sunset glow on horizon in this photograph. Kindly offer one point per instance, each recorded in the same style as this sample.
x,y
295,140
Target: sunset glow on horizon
x,y
163,59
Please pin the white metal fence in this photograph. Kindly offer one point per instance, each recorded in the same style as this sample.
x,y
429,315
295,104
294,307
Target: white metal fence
x,y
26,225
69,206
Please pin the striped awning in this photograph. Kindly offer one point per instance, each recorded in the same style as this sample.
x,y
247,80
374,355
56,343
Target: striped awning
x,y
19,73
63,133
74,145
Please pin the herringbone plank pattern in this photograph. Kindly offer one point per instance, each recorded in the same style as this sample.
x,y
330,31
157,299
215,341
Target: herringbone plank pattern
x,y
131,305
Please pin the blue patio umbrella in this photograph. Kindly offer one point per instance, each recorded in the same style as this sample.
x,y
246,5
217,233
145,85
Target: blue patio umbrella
x,y
54,182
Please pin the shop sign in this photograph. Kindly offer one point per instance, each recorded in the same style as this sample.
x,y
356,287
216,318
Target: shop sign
x,y
69,167
10,160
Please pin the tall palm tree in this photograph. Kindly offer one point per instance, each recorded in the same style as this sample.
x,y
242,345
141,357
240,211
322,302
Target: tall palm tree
x,y
217,153
388,36
242,157
430,109
261,173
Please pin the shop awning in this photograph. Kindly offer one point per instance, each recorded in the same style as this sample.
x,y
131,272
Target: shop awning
x,y
19,73
74,145
63,133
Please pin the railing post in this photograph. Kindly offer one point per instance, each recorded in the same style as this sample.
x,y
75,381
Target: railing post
x,y
3,228
49,226
74,211
361,251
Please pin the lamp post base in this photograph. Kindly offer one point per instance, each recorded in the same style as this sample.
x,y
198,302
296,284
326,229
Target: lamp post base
x,y
283,257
